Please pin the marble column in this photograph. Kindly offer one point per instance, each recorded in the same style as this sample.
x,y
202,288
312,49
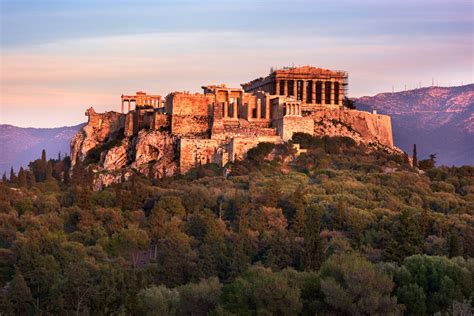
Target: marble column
x,y
340,92
267,107
226,110
304,91
128,105
234,109
332,91
285,92
122,105
277,87
249,112
323,92
259,108
313,91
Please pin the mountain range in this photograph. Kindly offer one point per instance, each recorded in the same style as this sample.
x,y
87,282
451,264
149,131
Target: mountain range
x,y
439,120
19,146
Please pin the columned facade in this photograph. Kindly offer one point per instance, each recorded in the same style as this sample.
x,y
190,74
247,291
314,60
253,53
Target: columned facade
x,y
310,85
141,100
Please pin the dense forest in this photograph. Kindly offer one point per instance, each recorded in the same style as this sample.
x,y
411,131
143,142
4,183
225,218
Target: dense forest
x,y
335,228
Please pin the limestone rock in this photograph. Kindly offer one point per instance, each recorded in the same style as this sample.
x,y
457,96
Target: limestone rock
x,y
100,128
362,126
116,157
155,148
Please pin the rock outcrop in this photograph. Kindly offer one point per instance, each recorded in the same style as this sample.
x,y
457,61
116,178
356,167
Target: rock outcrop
x,y
114,150
363,126
148,152
100,128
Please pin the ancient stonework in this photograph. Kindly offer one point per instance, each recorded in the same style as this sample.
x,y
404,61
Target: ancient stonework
x,y
165,136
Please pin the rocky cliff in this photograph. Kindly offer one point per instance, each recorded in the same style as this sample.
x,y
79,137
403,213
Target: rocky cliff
x,y
102,145
106,145
361,126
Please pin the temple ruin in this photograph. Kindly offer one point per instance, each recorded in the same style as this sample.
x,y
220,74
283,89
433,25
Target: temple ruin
x,y
222,123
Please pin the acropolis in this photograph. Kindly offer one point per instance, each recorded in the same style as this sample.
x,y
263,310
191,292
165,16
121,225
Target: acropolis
x,y
222,123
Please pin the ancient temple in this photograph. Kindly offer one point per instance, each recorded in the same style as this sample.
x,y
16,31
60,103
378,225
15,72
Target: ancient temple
x,y
141,100
310,85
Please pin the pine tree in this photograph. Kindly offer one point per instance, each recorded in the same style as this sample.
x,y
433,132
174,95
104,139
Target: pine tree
x,y
313,243
20,296
43,156
49,170
4,178
407,239
22,182
30,178
415,158
13,179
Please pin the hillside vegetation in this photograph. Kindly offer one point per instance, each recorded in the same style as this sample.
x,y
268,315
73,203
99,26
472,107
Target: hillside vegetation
x,y
340,229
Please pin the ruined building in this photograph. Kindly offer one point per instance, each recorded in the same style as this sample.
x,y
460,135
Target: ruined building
x,y
222,123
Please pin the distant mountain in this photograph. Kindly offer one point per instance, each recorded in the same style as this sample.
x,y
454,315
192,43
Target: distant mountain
x,y
437,119
19,146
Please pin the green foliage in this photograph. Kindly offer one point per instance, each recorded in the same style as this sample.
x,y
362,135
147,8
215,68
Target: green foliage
x,y
343,228
352,285
158,300
259,152
261,292
427,284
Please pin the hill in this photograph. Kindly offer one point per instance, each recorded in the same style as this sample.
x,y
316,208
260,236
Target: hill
x,y
341,229
21,145
438,119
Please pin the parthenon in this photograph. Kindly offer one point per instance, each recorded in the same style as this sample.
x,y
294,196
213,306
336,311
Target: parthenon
x,y
310,85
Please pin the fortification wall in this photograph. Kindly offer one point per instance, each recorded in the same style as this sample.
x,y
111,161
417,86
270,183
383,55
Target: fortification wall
x,y
190,114
288,125
194,152
238,147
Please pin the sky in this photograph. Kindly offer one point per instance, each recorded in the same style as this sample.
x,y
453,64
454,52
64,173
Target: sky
x,y
58,58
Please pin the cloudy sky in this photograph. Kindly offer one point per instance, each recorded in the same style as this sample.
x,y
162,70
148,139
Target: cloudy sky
x,y
60,57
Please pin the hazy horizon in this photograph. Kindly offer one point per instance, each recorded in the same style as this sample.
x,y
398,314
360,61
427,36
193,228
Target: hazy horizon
x,y
60,57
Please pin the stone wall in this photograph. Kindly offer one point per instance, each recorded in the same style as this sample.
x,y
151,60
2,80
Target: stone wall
x,y
238,147
190,114
160,121
288,125
194,152
371,127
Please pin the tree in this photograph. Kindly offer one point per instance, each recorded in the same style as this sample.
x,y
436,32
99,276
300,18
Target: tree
x,y
353,286
158,301
348,103
313,254
406,239
415,158
4,178
432,283
260,292
427,164
199,298
129,242
22,182
43,156
19,295
13,178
